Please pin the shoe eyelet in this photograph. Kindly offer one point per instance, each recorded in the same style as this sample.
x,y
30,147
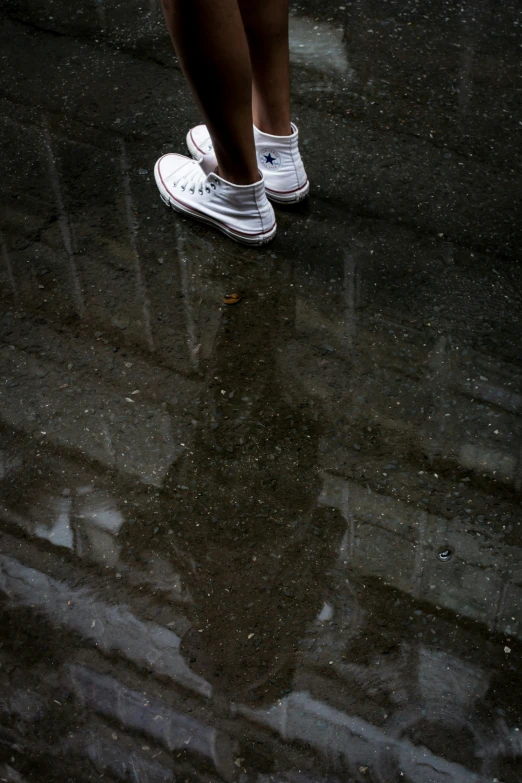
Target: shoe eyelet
x,y
183,187
207,189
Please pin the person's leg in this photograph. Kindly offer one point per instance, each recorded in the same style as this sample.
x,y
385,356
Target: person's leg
x,y
266,27
211,45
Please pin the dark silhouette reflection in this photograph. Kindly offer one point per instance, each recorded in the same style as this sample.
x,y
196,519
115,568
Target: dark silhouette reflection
x,y
249,538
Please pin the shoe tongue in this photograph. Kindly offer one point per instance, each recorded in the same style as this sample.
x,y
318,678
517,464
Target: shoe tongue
x,y
208,163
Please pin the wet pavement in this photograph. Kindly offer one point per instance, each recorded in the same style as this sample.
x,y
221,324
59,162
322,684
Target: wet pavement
x,y
277,541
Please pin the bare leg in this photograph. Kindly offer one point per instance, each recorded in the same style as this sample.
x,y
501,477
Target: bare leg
x,y
266,27
211,45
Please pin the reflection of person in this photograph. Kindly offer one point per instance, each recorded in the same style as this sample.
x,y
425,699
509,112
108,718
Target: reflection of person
x,y
235,56
252,543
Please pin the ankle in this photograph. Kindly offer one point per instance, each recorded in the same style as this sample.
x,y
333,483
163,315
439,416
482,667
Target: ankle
x,y
238,177
274,127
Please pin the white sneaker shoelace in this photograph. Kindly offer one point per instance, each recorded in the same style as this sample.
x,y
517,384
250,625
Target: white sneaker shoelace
x,y
194,180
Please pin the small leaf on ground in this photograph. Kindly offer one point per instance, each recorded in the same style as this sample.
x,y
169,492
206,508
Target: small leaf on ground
x,y
230,299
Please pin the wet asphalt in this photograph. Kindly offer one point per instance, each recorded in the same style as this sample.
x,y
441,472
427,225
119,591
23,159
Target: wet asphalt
x,y
277,541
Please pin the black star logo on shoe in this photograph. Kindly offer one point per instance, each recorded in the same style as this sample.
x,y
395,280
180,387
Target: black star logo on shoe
x,y
269,159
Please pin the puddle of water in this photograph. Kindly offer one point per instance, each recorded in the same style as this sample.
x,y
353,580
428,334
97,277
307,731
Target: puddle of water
x,y
318,45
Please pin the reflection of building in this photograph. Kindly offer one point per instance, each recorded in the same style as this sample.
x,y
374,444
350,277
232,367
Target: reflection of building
x,y
398,544
366,709
175,718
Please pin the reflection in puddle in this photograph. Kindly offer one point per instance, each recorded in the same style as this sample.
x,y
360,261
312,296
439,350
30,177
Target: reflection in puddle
x,y
318,45
110,628
63,217
153,718
85,521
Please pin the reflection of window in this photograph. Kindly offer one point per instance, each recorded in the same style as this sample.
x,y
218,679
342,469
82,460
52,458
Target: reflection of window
x,y
87,522
318,45
326,613
60,533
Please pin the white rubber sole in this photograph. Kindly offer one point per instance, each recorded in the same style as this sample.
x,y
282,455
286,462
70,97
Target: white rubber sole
x,y
274,195
288,198
196,154
245,239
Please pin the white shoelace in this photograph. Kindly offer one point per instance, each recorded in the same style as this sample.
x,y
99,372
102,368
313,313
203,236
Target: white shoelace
x,y
193,180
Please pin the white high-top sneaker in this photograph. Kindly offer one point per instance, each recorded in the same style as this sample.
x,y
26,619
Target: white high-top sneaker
x,y
242,212
278,159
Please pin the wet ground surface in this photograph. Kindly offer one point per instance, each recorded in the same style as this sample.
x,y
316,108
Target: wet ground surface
x,y
280,540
